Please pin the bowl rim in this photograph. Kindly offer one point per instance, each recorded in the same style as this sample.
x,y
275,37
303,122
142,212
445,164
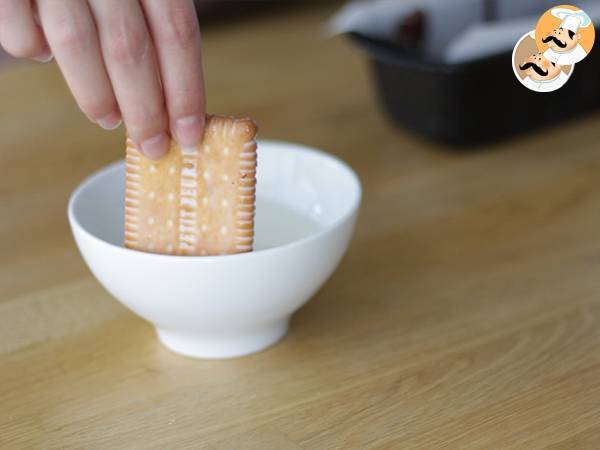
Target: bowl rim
x,y
353,209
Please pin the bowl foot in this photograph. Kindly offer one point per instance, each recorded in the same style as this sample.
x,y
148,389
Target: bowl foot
x,y
219,346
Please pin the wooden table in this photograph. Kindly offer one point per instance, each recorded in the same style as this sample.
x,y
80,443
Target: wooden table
x,y
466,313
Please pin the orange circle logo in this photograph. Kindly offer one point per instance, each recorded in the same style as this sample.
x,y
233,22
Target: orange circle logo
x,y
565,35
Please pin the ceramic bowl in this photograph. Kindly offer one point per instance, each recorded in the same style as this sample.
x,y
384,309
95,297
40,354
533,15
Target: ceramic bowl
x,y
232,305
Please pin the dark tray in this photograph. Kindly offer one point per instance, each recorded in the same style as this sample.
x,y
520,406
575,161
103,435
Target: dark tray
x,y
475,102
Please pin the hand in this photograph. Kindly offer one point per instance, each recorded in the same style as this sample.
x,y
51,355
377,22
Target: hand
x,y
135,59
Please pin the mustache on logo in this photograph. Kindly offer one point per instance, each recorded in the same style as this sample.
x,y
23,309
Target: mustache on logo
x,y
529,65
556,41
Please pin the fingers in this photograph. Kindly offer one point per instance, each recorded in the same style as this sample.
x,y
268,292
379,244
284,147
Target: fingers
x,y
19,34
176,36
71,34
106,53
131,65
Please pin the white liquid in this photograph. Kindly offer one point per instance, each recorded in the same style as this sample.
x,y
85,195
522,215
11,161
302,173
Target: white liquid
x,y
276,225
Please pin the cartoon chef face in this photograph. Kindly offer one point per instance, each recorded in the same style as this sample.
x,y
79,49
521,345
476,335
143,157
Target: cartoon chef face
x,y
562,40
538,68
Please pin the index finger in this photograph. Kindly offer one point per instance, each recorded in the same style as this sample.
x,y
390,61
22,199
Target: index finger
x,y
176,35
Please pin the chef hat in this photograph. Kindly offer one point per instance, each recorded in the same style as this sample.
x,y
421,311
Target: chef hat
x,y
572,20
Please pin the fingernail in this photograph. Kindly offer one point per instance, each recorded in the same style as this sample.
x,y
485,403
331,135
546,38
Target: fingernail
x,y
156,146
111,121
46,58
188,130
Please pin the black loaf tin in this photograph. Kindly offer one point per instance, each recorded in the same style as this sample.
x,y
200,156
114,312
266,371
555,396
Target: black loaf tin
x,y
475,102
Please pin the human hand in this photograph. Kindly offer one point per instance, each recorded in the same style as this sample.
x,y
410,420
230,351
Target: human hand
x,y
138,60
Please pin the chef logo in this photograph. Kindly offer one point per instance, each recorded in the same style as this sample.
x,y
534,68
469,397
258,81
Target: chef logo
x,y
534,70
565,34
544,59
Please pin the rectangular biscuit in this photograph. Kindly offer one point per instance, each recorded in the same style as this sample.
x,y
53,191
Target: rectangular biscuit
x,y
194,201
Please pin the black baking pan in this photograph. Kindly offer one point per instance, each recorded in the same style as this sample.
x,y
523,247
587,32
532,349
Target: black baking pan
x,y
476,102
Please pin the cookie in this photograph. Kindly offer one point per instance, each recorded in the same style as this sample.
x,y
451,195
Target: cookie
x,y
197,200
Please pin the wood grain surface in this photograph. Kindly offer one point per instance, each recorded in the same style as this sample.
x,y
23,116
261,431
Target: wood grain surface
x,y
465,314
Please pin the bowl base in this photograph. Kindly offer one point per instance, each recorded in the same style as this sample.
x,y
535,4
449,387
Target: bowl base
x,y
223,346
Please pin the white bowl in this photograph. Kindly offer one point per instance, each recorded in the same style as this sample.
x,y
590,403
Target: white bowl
x,y
226,306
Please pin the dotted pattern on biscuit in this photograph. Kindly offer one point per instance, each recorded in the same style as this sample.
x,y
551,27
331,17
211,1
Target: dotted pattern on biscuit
x,y
195,201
